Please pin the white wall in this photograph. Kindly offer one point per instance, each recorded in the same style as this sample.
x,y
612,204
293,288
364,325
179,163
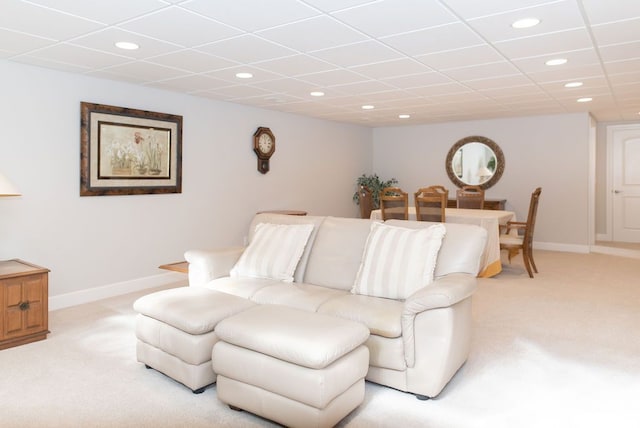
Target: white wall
x,y
90,242
551,152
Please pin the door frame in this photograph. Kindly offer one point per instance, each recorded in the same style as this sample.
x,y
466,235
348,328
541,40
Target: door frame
x,y
609,189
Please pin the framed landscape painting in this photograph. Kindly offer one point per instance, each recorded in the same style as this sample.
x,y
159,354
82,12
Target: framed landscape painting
x,y
125,151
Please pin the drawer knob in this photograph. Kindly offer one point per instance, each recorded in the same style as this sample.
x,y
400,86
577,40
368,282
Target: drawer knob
x,y
23,306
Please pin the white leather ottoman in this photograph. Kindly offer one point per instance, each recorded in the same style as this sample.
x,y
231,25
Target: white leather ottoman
x,y
294,367
175,331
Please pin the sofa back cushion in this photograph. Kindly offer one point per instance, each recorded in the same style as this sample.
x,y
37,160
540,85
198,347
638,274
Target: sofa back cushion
x,y
290,219
274,251
461,250
337,252
398,261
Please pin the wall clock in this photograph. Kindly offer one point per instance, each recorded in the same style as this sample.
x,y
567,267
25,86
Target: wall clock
x,y
264,145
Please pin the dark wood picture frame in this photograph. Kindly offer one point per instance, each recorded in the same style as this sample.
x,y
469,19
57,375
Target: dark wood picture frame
x,y
125,151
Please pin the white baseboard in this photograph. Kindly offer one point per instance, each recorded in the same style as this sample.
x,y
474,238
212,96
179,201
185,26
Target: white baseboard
x,y
112,290
566,248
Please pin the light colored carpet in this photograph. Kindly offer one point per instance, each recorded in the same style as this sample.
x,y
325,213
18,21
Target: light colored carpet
x,y
560,350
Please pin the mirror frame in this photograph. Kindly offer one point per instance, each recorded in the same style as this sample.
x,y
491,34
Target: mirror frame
x,y
476,139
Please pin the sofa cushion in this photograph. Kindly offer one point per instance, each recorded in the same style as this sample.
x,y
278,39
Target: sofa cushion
x,y
274,251
302,296
241,287
337,252
398,261
381,316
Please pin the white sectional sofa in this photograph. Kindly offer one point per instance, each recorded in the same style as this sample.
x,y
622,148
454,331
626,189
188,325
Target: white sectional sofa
x,y
417,342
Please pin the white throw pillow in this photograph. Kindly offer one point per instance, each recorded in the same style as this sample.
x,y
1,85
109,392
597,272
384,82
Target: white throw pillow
x,y
398,261
274,251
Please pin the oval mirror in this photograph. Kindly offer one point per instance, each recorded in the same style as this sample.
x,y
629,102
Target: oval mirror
x,y
476,161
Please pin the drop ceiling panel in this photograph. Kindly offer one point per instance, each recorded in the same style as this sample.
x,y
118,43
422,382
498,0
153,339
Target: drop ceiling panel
x,y
554,17
252,15
545,44
367,52
107,12
105,41
599,11
379,19
296,65
192,61
390,69
302,35
181,27
473,9
247,49
465,57
12,42
616,33
438,39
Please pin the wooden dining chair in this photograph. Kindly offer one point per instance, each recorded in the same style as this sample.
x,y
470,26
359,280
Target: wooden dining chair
x,y
524,240
431,203
470,197
394,203
365,200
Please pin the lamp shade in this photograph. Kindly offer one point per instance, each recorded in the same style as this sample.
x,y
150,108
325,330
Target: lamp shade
x,y
7,188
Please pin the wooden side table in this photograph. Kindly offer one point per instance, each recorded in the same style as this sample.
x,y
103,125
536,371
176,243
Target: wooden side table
x,y
24,303
489,204
286,212
182,267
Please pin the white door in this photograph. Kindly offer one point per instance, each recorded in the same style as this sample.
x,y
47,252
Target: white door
x,y
625,191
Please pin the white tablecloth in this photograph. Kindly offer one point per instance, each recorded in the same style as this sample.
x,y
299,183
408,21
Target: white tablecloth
x,y
490,264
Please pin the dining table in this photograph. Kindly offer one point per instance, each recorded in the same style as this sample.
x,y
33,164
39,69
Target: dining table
x,y
490,264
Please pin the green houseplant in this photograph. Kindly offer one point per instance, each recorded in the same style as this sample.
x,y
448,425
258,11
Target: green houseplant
x,y
375,186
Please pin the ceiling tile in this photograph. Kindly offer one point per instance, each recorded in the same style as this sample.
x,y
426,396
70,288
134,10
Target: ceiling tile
x,y
616,33
105,40
303,35
473,9
546,44
554,17
229,74
295,65
148,72
31,19
246,49
333,77
250,15
498,82
438,39
107,12
357,54
384,18
12,42
392,68
192,61
181,27
557,74
192,83
599,11
83,57
620,52
575,60
417,80
335,5
483,71
474,55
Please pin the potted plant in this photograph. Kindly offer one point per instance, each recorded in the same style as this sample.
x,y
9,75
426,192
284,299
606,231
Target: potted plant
x,y
375,186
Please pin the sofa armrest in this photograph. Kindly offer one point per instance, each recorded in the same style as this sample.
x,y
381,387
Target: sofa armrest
x,y
206,265
443,292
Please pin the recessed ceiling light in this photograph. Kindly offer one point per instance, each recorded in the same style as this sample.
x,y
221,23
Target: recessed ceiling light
x,y
368,107
557,61
573,84
404,116
244,75
584,100
317,94
526,23
127,45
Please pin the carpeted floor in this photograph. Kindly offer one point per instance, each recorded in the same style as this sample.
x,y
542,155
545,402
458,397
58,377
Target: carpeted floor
x,y
560,350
